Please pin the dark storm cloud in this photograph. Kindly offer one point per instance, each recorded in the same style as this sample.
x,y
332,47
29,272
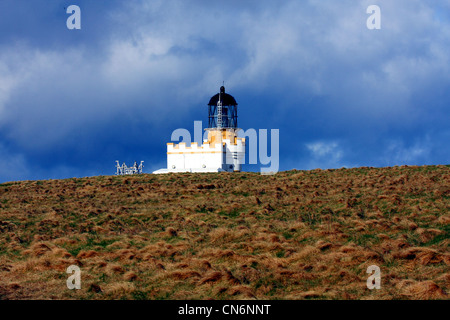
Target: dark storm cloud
x,y
72,102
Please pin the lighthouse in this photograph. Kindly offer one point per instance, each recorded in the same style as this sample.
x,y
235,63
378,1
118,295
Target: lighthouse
x,y
222,151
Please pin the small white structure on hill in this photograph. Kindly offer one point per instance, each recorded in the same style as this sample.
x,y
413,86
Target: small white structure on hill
x,y
223,150
123,169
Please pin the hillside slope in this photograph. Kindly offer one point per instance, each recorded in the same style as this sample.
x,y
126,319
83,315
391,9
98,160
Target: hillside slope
x,y
293,235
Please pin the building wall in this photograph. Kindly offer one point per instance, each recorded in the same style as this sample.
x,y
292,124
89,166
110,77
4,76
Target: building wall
x,y
209,157
235,155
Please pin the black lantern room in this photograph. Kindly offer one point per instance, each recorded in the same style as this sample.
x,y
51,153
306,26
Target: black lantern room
x,y
222,111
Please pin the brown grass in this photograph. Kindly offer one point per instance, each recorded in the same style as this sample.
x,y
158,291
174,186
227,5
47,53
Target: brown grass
x,y
294,235
425,290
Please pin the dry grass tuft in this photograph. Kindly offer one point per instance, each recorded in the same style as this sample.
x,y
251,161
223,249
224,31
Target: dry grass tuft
x,y
211,277
39,249
86,254
425,290
118,289
130,276
171,232
114,268
184,275
95,288
241,291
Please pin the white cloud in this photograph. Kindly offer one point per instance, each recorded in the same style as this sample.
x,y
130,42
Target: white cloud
x,y
321,149
6,86
325,154
397,153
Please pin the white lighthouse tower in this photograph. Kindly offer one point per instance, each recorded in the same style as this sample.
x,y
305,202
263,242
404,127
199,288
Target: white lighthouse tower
x,y
222,151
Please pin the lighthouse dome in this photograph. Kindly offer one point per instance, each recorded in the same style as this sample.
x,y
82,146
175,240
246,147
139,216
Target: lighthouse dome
x,y
227,99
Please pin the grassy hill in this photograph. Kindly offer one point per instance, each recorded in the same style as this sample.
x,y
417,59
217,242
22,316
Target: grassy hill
x,y
293,235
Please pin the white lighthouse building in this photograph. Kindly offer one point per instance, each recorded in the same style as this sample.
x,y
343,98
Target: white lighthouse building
x,y
222,151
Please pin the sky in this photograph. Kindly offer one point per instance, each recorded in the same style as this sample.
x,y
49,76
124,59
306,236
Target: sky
x,y
72,102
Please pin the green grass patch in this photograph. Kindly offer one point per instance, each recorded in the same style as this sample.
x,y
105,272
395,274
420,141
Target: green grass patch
x,y
287,235
439,238
364,239
231,214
